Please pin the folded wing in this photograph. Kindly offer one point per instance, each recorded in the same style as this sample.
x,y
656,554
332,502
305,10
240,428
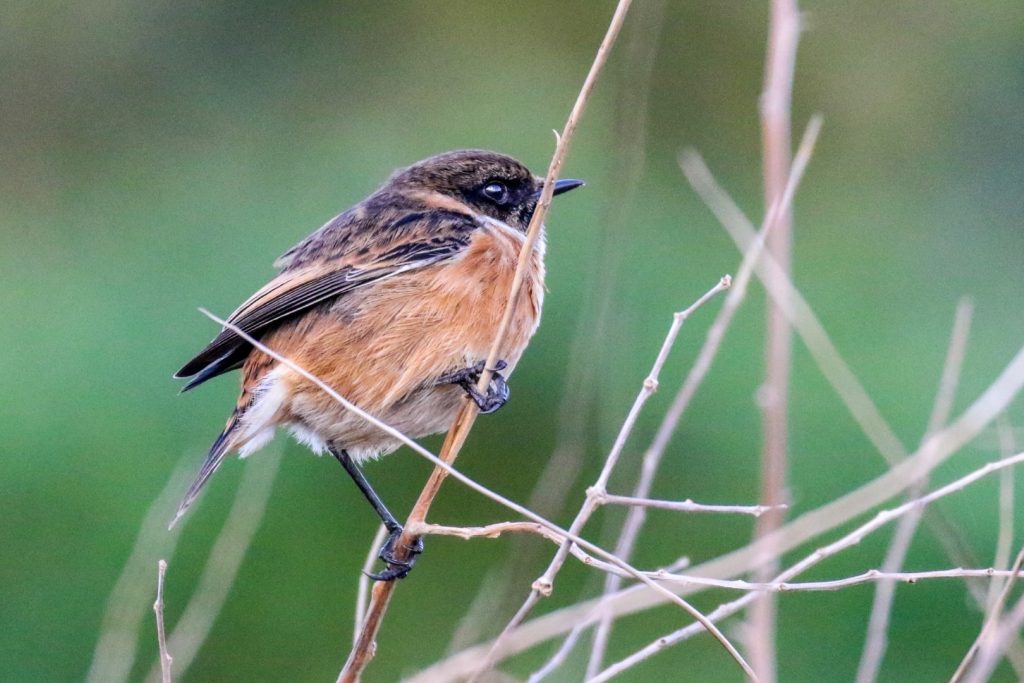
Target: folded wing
x,y
294,291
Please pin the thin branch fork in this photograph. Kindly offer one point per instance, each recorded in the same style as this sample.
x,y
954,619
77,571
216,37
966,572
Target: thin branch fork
x,y
545,584
709,350
495,530
986,407
849,540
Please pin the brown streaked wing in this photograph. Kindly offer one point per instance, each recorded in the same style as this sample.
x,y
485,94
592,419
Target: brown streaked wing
x,y
295,291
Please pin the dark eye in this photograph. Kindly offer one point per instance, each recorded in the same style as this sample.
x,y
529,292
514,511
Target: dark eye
x,y
496,192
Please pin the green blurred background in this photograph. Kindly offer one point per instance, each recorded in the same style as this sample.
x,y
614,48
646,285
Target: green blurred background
x,y
157,156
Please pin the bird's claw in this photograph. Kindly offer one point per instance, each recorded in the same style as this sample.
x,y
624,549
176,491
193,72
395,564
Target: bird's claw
x,y
467,378
396,568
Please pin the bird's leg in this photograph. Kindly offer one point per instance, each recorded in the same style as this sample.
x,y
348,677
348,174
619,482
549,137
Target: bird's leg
x,y
396,568
497,390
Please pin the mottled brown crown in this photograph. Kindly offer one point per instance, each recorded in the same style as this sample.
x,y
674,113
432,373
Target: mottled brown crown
x,y
493,184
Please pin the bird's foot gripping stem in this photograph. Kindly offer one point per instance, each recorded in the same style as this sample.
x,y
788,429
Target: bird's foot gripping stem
x,y
497,390
396,568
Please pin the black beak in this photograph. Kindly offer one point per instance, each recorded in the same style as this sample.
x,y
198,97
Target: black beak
x,y
566,185
562,186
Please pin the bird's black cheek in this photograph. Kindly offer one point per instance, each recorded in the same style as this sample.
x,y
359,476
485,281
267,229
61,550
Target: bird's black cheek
x,y
526,214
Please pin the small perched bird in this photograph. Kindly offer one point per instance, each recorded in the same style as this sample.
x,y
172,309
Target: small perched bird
x,y
395,304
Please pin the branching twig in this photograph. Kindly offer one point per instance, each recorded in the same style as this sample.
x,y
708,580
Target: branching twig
x,y
669,575
709,350
847,541
161,633
985,408
543,585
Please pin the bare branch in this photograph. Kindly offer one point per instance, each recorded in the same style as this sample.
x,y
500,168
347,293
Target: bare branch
x,y
686,505
773,395
847,541
161,633
543,585
985,408
709,350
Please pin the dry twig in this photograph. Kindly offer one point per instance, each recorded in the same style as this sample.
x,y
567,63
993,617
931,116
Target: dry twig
x,y
991,619
773,395
716,334
161,633
543,585
985,408
847,541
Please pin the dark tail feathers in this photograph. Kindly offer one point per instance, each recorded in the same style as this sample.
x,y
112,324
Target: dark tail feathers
x,y
218,451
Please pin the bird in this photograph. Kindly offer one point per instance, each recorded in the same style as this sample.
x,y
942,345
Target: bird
x,y
394,303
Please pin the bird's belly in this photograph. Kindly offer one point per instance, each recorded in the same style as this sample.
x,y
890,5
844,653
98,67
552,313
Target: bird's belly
x,y
420,414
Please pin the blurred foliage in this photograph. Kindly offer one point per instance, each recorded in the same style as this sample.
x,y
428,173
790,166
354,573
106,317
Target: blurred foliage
x,y
157,156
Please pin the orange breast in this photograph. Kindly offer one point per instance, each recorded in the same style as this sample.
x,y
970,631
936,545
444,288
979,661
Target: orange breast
x,y
383,346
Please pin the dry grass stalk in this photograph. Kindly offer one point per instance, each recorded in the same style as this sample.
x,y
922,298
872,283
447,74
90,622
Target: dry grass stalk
x,y
773,395
161,633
